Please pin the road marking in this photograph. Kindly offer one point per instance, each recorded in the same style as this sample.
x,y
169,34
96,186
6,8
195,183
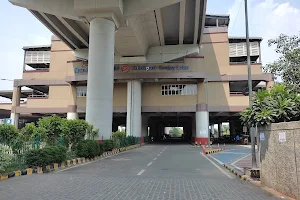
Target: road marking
x,y
155,158
150,163
142,171
161,151
240,159
221,163
158,155
218,167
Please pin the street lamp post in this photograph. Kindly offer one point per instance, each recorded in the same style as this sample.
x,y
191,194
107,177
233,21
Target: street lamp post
x,y
254,164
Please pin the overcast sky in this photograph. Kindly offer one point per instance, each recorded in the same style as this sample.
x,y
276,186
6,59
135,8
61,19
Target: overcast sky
x,y
267,19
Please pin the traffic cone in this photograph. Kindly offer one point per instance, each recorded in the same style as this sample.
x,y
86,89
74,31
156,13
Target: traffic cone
x,y
204,149
218,146
224,147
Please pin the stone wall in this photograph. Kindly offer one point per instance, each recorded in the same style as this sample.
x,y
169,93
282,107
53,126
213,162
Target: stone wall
x,y
280,161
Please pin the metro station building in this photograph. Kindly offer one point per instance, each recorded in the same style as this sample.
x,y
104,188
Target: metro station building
x,y
138,63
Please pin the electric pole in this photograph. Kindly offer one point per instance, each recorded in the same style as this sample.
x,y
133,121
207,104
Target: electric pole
x,y
254,165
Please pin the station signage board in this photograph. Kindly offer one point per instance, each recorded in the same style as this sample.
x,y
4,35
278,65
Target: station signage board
x,y
139,68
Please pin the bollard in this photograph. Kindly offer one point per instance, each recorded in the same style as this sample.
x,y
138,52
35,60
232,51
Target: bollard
x,y
218,146
224,147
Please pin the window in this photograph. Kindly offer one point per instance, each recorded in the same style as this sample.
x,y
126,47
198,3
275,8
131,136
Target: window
x,y
179,89
81,91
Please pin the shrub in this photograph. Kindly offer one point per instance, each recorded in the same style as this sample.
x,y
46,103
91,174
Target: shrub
x,y
5,158
29,131
8,132
50,127
46,156
119,139
88,149
108,145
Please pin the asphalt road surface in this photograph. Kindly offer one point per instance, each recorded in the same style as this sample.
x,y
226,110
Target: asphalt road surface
x,y
155,171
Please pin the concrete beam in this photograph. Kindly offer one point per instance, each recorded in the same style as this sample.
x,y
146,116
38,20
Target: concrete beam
x,y
76,30
196,27
160,27
137,7
181,21
57,25
63,8
203,20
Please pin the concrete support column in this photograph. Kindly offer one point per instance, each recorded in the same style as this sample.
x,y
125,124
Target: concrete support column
x,y
193,128
134,108
15,103
202,128
269,85
99,106
220,129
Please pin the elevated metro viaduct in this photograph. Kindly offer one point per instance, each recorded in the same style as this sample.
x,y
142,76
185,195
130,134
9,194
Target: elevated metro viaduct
x,y
139,62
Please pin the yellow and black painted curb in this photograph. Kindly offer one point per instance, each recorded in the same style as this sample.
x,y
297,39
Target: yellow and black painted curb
x,y
237,173
213,151
66,164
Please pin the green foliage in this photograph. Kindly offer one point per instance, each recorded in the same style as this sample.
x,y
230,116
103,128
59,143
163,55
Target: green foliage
x,y
29,131
8,132
288,65
119,139
176,132
91,132
88,149
50,127
280,104
74,131
107,145
46,156
5,158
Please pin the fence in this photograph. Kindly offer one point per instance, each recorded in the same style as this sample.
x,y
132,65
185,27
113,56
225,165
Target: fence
x,y
17,149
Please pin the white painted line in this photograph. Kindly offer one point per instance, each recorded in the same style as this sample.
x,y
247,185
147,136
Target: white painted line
x,y
155,158
218,167
158,155
161,152
141,172
150,163
221,163
240,159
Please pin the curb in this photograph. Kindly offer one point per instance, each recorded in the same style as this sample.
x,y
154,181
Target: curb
x,y
237,173
66,164
213,151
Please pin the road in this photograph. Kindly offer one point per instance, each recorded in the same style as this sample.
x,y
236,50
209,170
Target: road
x,y
160,172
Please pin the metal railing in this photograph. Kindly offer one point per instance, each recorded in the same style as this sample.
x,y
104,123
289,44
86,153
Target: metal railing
x,y
243,63
238,93
38,96
36,69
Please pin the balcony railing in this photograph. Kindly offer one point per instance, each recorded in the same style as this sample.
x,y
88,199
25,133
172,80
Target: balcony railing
x,y
32,57
37,70
37,96
244,63
215,29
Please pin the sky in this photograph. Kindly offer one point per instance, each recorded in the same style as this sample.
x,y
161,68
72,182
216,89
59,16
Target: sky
x,y
267,19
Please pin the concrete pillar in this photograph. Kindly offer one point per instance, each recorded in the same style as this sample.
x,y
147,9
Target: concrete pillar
x,y
220,129
193,128
72,115
202,127
99,106
14,116
269,85
134,108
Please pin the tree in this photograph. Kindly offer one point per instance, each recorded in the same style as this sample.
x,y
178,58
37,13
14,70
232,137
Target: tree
x,y
288,65
280,104
176,132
